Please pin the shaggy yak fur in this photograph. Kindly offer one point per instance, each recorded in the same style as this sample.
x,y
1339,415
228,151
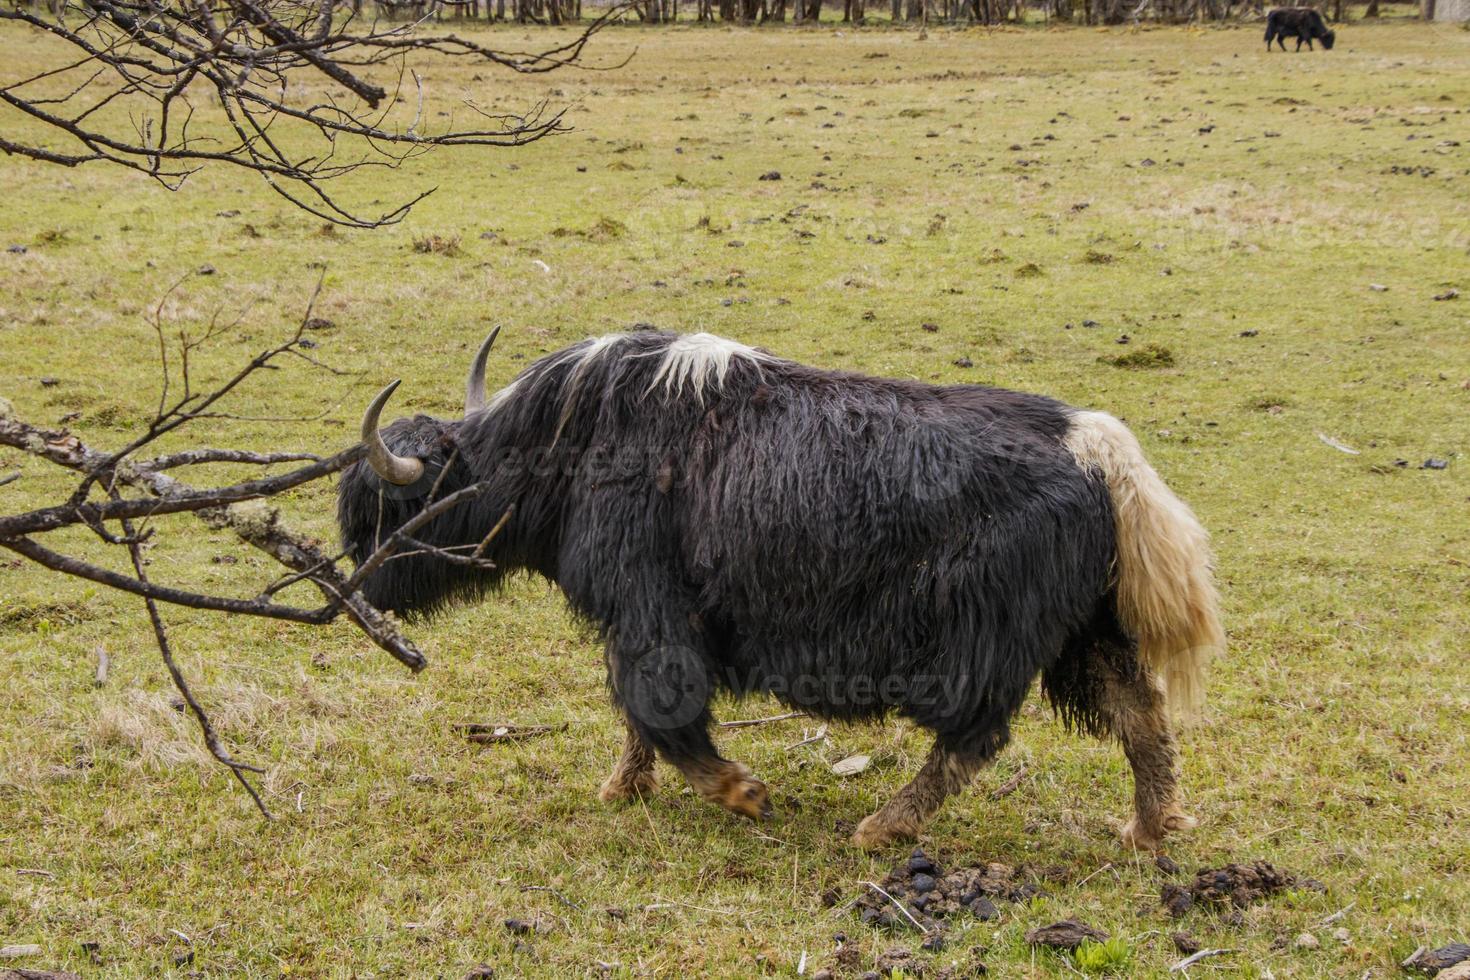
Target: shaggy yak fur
x,y
1303,23
855,546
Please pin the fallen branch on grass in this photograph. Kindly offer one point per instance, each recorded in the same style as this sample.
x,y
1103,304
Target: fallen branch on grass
x,y
1009,786
751,722
1194,958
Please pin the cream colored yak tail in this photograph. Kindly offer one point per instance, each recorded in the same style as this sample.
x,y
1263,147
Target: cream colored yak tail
x,y
1166,591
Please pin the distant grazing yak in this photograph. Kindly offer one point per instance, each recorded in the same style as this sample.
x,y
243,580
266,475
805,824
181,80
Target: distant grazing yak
x,y
731,521
1303,23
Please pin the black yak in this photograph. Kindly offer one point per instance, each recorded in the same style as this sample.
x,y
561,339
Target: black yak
x,y
854,546
1303,23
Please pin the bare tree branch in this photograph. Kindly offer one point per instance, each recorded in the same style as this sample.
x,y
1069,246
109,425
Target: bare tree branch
x,y
165,650
192,457
260,529
144,66
113,519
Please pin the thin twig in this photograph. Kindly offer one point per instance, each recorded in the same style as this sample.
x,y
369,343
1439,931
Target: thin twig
x,y
820,734
750,722
553,891
165,650
103,661
494,531
1009,786
665,903
1107,866
399,537
1203,954
898,905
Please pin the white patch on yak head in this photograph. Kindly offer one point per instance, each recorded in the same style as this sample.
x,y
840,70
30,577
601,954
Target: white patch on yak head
x,y
582,356
694,360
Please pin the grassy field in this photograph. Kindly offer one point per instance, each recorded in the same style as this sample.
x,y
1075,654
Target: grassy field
x,y
1034,197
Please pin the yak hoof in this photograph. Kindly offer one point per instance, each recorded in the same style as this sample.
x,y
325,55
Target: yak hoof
x,y
618,787
1180,820
740,792
1137,837
876,831
1134,835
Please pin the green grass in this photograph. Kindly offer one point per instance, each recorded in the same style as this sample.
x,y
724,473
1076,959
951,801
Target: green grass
x,y
1111,956
1334,743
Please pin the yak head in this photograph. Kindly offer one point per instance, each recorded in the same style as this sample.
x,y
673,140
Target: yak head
x,y
1329,39
410,465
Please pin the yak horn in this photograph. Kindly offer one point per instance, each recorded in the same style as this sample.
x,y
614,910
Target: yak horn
x,y
399,470
474,389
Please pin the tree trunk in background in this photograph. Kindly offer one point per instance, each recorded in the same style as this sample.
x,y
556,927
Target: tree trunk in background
x,y
1426,9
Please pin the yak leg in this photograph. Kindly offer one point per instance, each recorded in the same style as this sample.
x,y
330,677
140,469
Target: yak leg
x,y
1281,40
1134,711
665,694
633,775
946,772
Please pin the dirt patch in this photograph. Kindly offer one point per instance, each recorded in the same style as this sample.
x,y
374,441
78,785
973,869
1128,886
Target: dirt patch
x,y
1235,886
929,894
1146,357
447,246
37,615
604,230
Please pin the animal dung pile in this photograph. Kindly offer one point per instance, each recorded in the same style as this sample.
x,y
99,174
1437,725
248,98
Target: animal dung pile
x,y
1235,885
1067,934
930,894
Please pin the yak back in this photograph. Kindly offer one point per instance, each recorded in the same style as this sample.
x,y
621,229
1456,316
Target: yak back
x,y
1301,22
820,530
